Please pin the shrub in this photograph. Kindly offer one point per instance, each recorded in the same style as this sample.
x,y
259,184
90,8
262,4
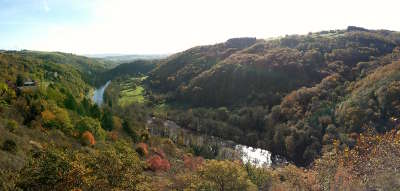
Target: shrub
x,y
52,170
113,136
159,152
88,138
169,147
142,149
117,123
12,125
129,129
156,163
10,146
224,175
115,167
92,125
262,177
192,163
56,117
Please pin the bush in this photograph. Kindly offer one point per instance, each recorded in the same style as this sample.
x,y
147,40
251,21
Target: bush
x,y
192,163
52,170
112,136
56,117
224,175
169,147
115,167
12,125
130,131
88,138
10,146
156,163
91,125
159,152
262,177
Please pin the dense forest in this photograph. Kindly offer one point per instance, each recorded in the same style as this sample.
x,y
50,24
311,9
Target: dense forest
x,y
292,95
327,102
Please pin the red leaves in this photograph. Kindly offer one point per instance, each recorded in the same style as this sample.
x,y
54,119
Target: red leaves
x,y
156,163
159,152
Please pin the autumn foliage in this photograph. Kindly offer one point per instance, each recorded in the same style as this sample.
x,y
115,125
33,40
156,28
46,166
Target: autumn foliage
x,y
113,135
192,163
88,138
159,152
142,149
156,163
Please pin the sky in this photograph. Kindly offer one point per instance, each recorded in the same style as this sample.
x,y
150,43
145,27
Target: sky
x,y
169,26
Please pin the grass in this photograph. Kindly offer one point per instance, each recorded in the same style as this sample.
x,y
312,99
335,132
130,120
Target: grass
x,y
130,94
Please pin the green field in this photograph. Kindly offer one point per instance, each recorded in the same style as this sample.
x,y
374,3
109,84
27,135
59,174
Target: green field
x,y
130,93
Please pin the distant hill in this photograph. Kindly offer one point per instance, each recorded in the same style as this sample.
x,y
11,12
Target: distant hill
x,y
122,58
136,67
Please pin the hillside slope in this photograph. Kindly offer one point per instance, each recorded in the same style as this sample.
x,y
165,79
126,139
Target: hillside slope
x,y
293,95
264,71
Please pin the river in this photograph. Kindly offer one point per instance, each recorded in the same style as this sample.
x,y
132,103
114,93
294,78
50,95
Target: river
x,y
228,149
99,93
255,156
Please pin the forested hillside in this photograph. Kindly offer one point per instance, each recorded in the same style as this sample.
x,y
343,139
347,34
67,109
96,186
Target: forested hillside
x,y
293,95
327,102
138,67
262,72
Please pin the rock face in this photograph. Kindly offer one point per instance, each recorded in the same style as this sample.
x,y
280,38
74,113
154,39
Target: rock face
x,y
240,42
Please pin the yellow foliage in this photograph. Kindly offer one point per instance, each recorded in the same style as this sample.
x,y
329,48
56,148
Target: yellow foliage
x,y
117,122
224,175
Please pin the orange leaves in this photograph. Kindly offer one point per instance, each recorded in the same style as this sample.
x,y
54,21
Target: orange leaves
x,y
47,116
142,149
88,138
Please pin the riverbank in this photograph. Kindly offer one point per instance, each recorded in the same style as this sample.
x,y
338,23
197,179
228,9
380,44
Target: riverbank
x,y
220,148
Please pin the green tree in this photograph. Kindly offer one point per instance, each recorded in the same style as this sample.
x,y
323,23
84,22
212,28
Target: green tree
x,y
91,125
70,103
107,120
20,80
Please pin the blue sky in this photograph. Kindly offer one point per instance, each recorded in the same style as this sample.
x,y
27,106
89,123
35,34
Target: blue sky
x,y
168,26
24,22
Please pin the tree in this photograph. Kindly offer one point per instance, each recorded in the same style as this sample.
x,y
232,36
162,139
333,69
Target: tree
x,y
224,176
91,125
130,131
95,111
107,120
20,80
70,103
